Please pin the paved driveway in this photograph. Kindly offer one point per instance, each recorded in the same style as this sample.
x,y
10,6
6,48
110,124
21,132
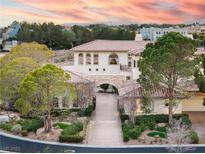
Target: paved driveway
x,y
105,125
198,124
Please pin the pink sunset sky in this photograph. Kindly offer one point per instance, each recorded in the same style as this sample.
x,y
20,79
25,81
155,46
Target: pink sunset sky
x,y
92,11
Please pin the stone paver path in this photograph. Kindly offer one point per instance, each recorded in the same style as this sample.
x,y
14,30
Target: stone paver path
x,y
105,125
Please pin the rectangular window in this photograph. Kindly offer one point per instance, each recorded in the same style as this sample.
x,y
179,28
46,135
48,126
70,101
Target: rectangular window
x,y
95,59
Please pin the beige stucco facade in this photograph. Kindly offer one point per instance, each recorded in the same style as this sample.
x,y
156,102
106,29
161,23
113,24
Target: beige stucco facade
x,y
194,102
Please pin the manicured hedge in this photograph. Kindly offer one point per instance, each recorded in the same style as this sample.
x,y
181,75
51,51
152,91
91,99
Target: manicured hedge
x,y
71,138
162,118
61,125
153,134
71,132
60,112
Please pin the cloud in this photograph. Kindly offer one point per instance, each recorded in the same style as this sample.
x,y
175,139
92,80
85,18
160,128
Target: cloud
x,y
146,11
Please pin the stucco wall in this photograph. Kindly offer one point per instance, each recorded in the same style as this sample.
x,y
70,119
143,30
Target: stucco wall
x,y
160,108
194,103
103,63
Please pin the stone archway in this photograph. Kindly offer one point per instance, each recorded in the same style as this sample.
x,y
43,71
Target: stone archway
x,y
107,88
115,80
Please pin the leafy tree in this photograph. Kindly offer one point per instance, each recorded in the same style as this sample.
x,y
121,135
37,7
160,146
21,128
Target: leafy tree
x,y
11,75
167,61
54,36
38,52
39,88
199,75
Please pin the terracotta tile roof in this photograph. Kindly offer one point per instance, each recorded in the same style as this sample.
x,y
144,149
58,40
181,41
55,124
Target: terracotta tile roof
x,y
131,46
133,90
78,78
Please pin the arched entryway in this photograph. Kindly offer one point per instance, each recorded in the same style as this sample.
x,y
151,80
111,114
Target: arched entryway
x,y
107,88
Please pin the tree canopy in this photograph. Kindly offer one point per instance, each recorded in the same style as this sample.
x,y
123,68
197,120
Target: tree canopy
x,y
59,37
200,74
165,62
11,75
38,52
39,88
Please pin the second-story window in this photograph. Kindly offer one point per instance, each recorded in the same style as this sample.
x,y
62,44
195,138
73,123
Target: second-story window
x,y
113,59
95,59
88,59
80,59
134,65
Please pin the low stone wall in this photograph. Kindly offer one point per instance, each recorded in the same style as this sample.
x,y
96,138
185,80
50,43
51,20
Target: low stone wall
x,y
24,145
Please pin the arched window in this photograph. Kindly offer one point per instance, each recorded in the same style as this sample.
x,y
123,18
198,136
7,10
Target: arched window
x,y
134,63
88,59
113,59
95,59
80,59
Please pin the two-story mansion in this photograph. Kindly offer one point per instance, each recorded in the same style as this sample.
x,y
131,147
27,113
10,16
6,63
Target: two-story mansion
x,y
112,60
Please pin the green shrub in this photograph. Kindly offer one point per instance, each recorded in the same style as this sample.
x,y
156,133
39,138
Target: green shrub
x,y
60,112
89,110
126,136
125,131
16,128
71,133
153,134
71,138
72,129
75,110
194,137
151,124
6,126
136,132
31,125
147,121
78,126
123,116
186,121
61,125
161,129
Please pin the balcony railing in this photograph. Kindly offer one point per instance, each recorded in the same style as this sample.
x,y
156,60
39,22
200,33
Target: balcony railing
x,y
125,68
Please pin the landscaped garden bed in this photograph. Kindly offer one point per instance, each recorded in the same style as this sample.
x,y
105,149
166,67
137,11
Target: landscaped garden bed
x,y
152,129
69,125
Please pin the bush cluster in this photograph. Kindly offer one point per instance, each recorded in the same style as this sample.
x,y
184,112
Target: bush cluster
x,y
31,125
144,122
60,112
153,134
6,126
71,132
194,137
87,112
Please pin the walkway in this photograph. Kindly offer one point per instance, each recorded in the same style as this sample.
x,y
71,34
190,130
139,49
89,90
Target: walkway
x,y
105,125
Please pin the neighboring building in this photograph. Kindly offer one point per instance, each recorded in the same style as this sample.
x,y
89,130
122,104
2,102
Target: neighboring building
x,y
138,37
7,45
153,33
9,36
108,59
198,29
12,31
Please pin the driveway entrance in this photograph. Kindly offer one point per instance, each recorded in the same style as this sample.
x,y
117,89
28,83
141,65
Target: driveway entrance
x,y
198,124
105,125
